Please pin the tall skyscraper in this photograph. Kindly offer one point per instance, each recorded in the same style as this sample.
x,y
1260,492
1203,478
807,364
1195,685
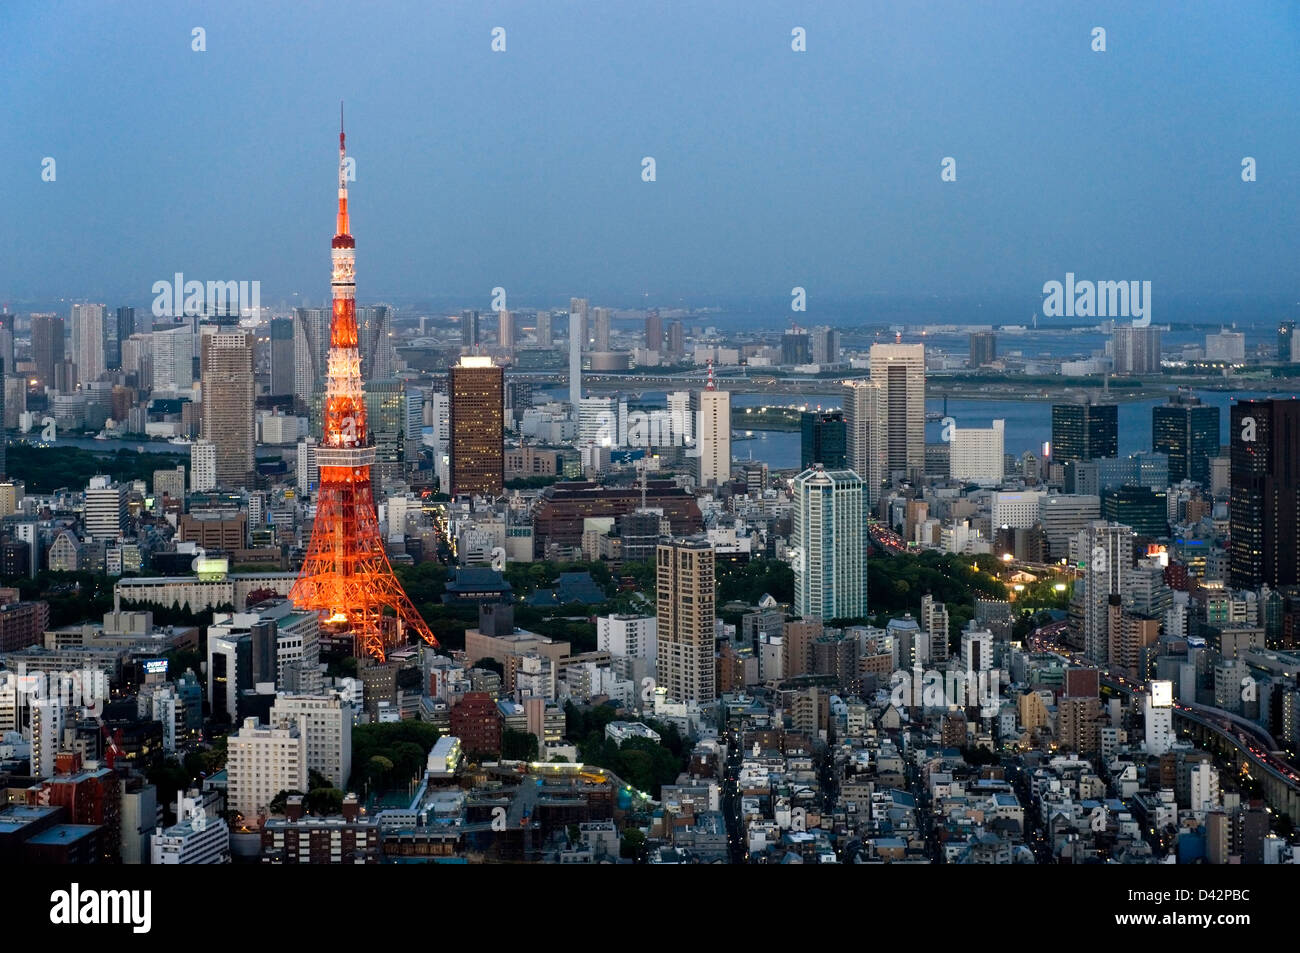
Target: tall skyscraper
x,y
545,333
477,427
601,323
712,409
469,328
983,348
899,369
1264,500
823,439
684,595
676,341
226,369
829,523
825,344
47,346
578,322
1135,350
1188,431
1108,552
575,362
88,319
173,358
864,435
282,357
1084,431
654,331
505,329
1285,346
121,328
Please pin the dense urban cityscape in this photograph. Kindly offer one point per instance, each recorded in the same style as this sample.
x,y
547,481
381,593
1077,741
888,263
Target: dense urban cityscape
x,y
595,580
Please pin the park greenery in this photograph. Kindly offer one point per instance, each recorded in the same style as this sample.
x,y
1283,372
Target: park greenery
x,y
45,469
390,755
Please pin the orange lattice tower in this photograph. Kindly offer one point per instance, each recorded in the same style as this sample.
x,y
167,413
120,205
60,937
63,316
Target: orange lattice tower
x,y
346,576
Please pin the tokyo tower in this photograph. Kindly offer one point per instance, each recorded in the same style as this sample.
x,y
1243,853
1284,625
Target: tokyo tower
x,y
346,576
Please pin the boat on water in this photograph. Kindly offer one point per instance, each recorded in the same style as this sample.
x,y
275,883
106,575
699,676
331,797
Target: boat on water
x,y
181,441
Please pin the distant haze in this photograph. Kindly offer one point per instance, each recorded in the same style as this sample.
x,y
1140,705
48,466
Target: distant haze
x,y
774,168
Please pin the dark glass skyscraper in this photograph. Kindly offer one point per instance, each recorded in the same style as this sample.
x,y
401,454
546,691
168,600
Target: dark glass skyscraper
x,y
1188,431
983,348
1084,431
47,346
1285,332
282,366
115,332
1264,500
824,439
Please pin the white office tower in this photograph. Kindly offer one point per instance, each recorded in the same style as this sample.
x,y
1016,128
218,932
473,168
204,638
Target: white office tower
x,y
899,369
203,466
976,648
328,721
197,837
173,358
575,363
1107,548
48,720
1159,718
104,513
1204,783
597,421
864,435
975,454
262,762
627,636
88,340
713,434
830,559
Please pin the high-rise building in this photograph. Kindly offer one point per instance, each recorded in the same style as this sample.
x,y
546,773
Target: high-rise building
x,y
226,366
825,343
1158,720
173,358
654,331
676,340
829,531
823,439
712,435
88,342
119,329
262,762
545,334
899,370
983,348
1188,431
1264,499
864,435
477,427
578,326
282,358
47,346
1107,548
1084,431
203,466
505,329
104,514
600,328
976,454
1136,350
1285,342
327,722
796,348
469,328
685,627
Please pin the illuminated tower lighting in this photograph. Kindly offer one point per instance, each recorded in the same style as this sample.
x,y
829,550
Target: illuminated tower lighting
x,y
346,576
